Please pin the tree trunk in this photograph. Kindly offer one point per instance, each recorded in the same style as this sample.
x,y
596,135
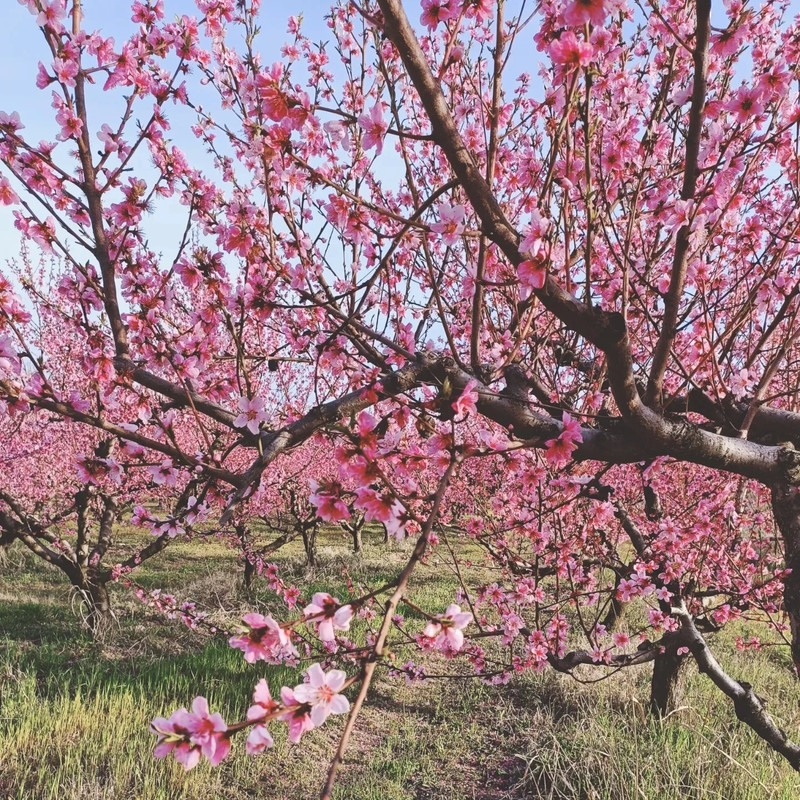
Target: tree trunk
x,y
94,595
310,544
666,682
786,509
357,543
616,608
249,571
6,539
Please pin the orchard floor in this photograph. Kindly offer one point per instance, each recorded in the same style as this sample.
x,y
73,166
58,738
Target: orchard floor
x,y
74,715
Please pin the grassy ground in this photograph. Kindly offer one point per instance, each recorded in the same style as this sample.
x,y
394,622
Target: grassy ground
x,y
74,715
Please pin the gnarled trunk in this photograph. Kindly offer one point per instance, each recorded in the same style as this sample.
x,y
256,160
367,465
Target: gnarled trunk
x,y
91,586
309,533
786,509
249,572
666,682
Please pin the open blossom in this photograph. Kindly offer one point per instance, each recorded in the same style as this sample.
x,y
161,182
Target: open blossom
x,y
436,11
322,693
571,51
163,474
559,451
251,414
579,12
532,275
7,195
374,128
465,404
9,361
264,640
190,735
297,715
209,731
325,497
331,617
447,628
450,225
174,737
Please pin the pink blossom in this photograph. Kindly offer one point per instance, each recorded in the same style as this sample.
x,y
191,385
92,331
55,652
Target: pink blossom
x,y
580,12
163,474
560,450
571,51
532,275
174,737
480,10
9,360
65,70
447,628
258,740
745,105
534,234
209,732
450,224
436,11
338,131
264,640
251,414
263,704
325,497
190,735
7,194
321,692
621,639
466,402
374,128
297,715
333,617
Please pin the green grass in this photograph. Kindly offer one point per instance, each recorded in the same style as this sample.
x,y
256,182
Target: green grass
x,y
74,714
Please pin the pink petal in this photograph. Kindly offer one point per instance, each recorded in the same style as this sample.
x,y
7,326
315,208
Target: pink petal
x,y
326,633
335,679
339,704
262,695
316,675
319,713
200,706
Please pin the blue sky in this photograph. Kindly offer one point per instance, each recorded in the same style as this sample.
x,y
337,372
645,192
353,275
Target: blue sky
x,y
22,46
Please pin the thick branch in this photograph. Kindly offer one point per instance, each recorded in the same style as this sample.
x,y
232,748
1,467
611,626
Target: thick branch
x,y
750,708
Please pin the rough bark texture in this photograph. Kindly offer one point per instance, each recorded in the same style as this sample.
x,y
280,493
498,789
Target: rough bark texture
x,y
667,682
91,586
310,543
786,508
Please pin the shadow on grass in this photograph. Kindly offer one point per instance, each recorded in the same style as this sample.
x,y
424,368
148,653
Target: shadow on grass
x,y
45,642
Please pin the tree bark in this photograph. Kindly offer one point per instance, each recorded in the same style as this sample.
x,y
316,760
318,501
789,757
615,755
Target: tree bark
x,y
92,588
786,509
309,533
249,571
666,683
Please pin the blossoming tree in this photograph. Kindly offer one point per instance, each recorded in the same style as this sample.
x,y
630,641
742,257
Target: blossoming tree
x,y
579,289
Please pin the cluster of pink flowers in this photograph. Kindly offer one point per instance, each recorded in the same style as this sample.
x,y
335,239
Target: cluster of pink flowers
x,y
263,640
190,735
559,450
